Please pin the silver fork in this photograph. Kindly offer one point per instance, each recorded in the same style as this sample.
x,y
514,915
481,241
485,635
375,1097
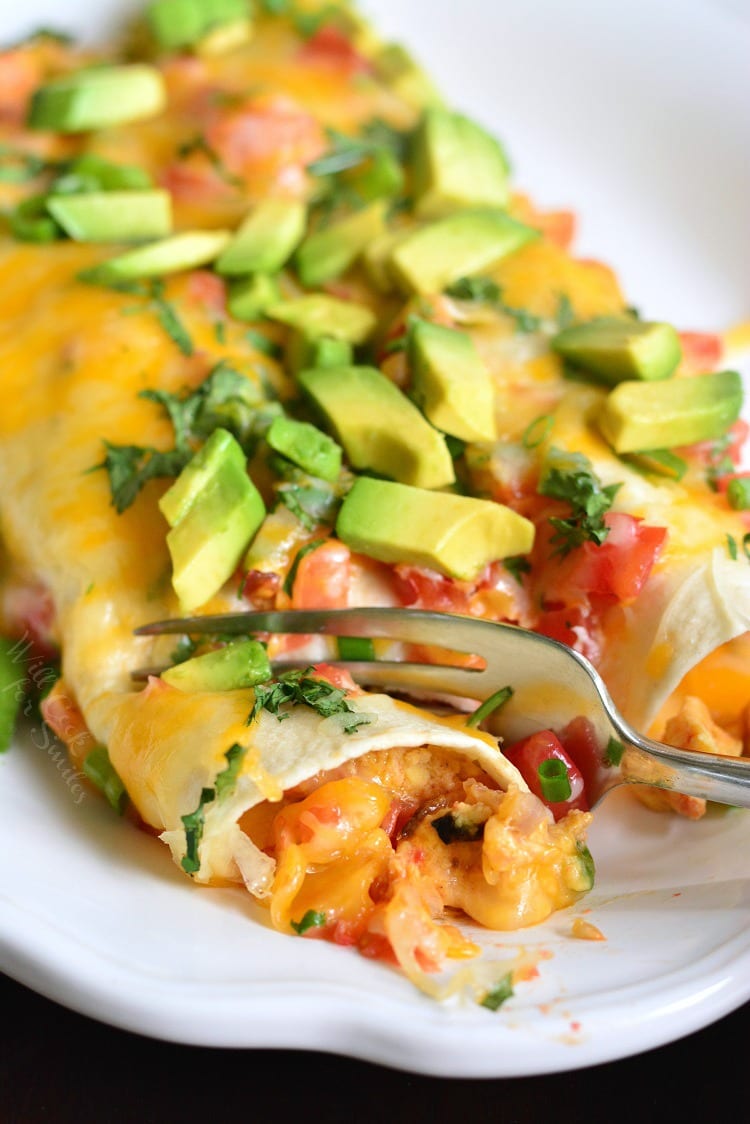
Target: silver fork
x,y
551,685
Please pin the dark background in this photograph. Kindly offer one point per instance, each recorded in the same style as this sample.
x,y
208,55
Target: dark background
x,y
59,1066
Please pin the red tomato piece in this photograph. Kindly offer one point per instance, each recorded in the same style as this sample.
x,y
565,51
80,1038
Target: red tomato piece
x,y
323,577
528,754
620,566
330,47
337,677
208,289
265,131
580,741
701,351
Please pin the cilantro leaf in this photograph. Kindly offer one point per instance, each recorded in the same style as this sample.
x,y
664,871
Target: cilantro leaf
x,y
227,778
497,995
301,688
130,467
313,919
570,477
194,823
17,166
312,505
517,566
483,290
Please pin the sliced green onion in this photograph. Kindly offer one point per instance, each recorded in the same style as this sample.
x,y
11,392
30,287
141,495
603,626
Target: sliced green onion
x,y
497,995
490,705
101,772
355,648
536,431
614,751
738,493
554,780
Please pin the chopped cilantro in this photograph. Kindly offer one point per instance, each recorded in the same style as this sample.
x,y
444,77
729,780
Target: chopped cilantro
x,y
194,823
483,290
313,919
516,566
184,649
17,166
732,547
746,545
497,995
172,325
570,477
301,688
587,861
130,467
310,504
613,753
101,772
227,778
153,292
200,144
263,344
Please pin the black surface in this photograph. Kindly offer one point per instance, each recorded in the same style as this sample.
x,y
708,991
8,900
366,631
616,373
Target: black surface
x,y
59,1066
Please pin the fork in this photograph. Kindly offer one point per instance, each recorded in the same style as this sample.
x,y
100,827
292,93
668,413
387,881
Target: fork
x,y
551,685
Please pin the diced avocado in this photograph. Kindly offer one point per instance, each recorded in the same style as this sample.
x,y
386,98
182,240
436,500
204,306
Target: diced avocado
x,y
376,258
242,664
680,411
265,239
227,37
182,23
196,475
396,67
96,97
306,446
379,177
429,259
450,382
302,352
378,426
218,509
326,253
113,216
456,164
170,255
90,172
457,535
618,347
249,297
320,315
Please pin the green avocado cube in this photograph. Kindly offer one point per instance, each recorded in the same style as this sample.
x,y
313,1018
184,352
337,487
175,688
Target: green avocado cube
x,y
450,382
614,348
456,164
302,352
457,535
639,416
265,240
214,509
113,216
231,668
319,315
405,77
379,427
97,97
306,446
188,250
468,242
249,297
327,253
182,23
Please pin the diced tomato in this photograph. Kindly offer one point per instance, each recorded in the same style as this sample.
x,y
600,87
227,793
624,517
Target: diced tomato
x,y
579,739
723,482
619,567
337,677
575,626
528,754
557,226
731,446
29,613
208,289
194,182
20,73
427,589
701,351
330,47
323,577
265,131
61,713
398,815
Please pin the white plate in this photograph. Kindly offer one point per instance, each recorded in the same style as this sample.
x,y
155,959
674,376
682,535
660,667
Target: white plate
x,y
638,115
